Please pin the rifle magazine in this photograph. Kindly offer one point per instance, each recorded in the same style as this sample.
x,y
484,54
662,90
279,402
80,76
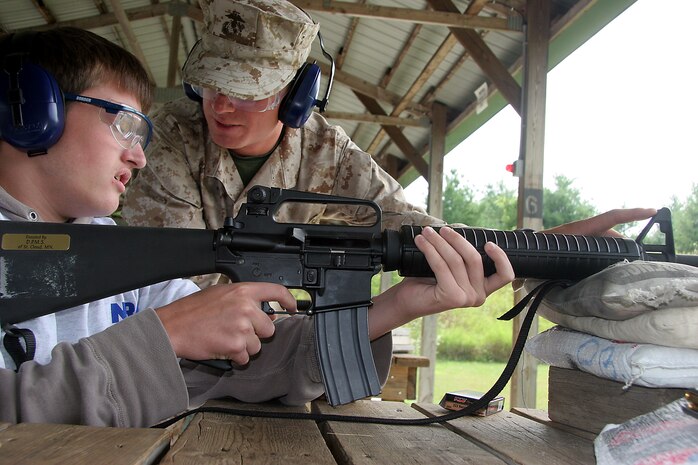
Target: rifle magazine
x,y
346,360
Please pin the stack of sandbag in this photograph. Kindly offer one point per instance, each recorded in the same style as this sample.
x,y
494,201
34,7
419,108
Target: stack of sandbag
x,y
634,322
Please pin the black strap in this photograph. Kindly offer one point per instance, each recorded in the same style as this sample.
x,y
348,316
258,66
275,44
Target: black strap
x,y
19,353
536,295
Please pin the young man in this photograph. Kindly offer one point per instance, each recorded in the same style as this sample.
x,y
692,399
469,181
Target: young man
x,y
90,368
206,154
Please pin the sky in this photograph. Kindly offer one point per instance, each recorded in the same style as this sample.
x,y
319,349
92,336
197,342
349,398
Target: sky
x,y
621,116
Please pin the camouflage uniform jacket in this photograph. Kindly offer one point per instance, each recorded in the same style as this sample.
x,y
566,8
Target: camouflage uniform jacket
x,y
191,182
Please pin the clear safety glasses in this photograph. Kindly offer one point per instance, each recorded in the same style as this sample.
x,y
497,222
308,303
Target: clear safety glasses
x,y
128,125
254,106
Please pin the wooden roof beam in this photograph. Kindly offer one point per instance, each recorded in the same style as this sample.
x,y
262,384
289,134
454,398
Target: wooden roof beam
x,y
366,88
440,18
388,76
473,8
484,57
344,50
125,24
173,64
132,14
44,11
378,119
401,56
396,135
437,58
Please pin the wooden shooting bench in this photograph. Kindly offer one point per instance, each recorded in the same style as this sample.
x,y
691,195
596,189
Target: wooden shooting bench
x,y
401,384
402,379
521,437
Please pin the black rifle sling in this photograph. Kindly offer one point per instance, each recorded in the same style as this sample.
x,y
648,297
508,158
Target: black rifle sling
x,y
12,344
535,297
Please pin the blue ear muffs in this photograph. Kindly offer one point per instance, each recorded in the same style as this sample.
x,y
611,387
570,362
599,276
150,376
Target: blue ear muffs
x,y
32,110
301,97
190,92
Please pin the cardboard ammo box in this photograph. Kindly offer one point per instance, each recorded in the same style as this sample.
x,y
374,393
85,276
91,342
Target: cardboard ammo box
x,y
458,400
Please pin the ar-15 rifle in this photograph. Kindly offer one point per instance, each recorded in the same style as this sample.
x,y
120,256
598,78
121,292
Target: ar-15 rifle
x,y
47,267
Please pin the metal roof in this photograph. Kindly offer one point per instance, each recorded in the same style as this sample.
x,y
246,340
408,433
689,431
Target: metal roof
x,y
393,57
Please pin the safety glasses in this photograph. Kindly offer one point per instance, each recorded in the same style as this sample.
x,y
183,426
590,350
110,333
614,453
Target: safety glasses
x,y
128,125
254,106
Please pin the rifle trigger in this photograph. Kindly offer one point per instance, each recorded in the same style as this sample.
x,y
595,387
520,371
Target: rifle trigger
x,y
266,308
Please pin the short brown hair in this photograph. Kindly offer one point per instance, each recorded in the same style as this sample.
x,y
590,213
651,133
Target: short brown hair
x,y
79,59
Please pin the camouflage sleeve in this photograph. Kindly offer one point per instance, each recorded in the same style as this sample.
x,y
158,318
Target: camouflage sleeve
x,y
359,176
165,192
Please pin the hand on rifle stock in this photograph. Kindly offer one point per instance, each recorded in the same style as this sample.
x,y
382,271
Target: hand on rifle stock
x,y
601,225
224,321
460,281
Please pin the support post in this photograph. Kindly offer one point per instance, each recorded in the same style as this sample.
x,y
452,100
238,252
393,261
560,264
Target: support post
x,y
425,391
530,201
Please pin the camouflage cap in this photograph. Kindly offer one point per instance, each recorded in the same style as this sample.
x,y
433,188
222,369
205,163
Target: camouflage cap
x,y
250,49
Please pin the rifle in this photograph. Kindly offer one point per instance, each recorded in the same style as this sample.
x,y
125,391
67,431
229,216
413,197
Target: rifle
x,y
47,267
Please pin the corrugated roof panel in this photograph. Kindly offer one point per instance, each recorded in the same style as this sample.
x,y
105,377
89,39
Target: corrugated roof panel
x,y
376,45
18,14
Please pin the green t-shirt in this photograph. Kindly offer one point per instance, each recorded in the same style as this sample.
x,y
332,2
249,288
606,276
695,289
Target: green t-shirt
x,y
248,166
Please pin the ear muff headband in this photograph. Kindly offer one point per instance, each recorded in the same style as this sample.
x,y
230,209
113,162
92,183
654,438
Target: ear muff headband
x,y
188,89
32,111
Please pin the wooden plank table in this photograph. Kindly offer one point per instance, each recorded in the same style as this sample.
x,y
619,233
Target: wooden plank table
x,y
525,437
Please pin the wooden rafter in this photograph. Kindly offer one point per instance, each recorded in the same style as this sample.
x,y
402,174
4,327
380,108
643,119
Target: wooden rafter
x,y
45,11
401,56
431,67
439,18
388,76
430,94
366,88
344,51
484,57
174,40
109,19
378,119
473,8
398,137
131,38
173,64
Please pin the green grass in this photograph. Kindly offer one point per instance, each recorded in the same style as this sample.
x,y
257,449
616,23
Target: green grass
x,y
476,335
453,375
480,376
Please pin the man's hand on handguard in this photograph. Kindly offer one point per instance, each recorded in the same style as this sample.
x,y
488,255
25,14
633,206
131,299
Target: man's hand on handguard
x,y
603,224
224,321
459,281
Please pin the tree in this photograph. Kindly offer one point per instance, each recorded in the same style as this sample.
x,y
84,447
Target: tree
x,y
459,205
498,208
685,222
564,204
